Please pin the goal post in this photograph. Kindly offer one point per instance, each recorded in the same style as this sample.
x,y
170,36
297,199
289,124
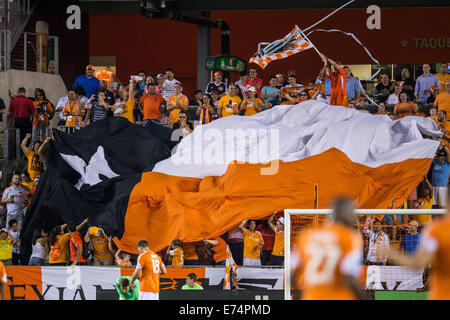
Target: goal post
x,y
297,220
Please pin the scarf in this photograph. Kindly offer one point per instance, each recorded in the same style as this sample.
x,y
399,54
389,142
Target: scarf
x,y
204,115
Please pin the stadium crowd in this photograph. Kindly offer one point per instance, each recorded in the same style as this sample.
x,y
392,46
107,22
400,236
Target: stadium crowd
x,y
160,99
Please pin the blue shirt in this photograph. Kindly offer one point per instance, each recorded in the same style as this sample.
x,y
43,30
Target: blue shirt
x,y
90,86
352,85
410,243
440,173
424,83
269,90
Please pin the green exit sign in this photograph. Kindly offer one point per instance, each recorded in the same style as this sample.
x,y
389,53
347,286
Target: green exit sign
x,y
225,63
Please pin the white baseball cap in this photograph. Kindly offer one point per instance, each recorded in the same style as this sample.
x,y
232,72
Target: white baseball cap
x,y
281,220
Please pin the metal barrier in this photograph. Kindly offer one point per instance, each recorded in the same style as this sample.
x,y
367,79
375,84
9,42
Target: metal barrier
x,y
68,130
14,15
36,52
5,50
10,145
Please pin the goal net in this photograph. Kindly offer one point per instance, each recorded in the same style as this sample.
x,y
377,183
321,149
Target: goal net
x,y
381,278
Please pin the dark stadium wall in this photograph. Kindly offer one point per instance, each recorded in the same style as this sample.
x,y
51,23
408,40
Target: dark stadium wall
x,y
154,45
148,44
73,44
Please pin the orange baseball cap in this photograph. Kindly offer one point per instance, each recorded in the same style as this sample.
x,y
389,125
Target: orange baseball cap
x,y
93,231
413,223
90,67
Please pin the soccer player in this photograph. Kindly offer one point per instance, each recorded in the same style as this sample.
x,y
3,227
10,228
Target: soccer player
x,y
124,289
148,269
435,250
328,258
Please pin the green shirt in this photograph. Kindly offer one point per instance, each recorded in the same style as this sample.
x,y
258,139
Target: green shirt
x,y
196,287
132,294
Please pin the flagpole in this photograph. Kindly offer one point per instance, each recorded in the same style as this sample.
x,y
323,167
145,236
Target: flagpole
x,y
309,41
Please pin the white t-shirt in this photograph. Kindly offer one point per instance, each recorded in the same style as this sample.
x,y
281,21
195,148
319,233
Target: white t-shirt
x,y
15,235
239,84
20,196
392,99
168,88
38,251
61,103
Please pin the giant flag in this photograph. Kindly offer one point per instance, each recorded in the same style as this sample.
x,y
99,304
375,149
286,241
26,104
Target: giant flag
x,y
236,168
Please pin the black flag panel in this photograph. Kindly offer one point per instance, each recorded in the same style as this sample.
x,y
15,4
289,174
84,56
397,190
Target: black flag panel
x,y
91,173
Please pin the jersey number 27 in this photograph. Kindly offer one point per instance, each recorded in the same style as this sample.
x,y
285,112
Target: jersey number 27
x,y
324,254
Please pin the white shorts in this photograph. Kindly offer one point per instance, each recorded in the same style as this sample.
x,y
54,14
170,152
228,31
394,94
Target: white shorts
x,y
148,296
440,196
252,262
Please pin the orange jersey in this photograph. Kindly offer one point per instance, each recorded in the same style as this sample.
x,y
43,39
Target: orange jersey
x,y
404,109
220,251
3,277
41,114
177,257
174,113
338,91
150,264
251,241
123,262
104,75
325,255
278,246
101,249
250,107
76,108
437,239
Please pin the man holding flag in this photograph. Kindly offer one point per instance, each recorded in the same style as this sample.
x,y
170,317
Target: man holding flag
x,y
338,79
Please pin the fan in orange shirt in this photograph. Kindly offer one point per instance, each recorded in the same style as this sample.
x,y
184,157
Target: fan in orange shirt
x,y
106,75
3,281
435,250
175,251
220,250
328,258
149,267
251,104
277,256
124,261
337,77
253,243
176,103
404,107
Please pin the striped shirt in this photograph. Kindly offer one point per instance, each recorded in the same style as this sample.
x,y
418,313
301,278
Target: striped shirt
x,y
98,109
352,86
424,83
